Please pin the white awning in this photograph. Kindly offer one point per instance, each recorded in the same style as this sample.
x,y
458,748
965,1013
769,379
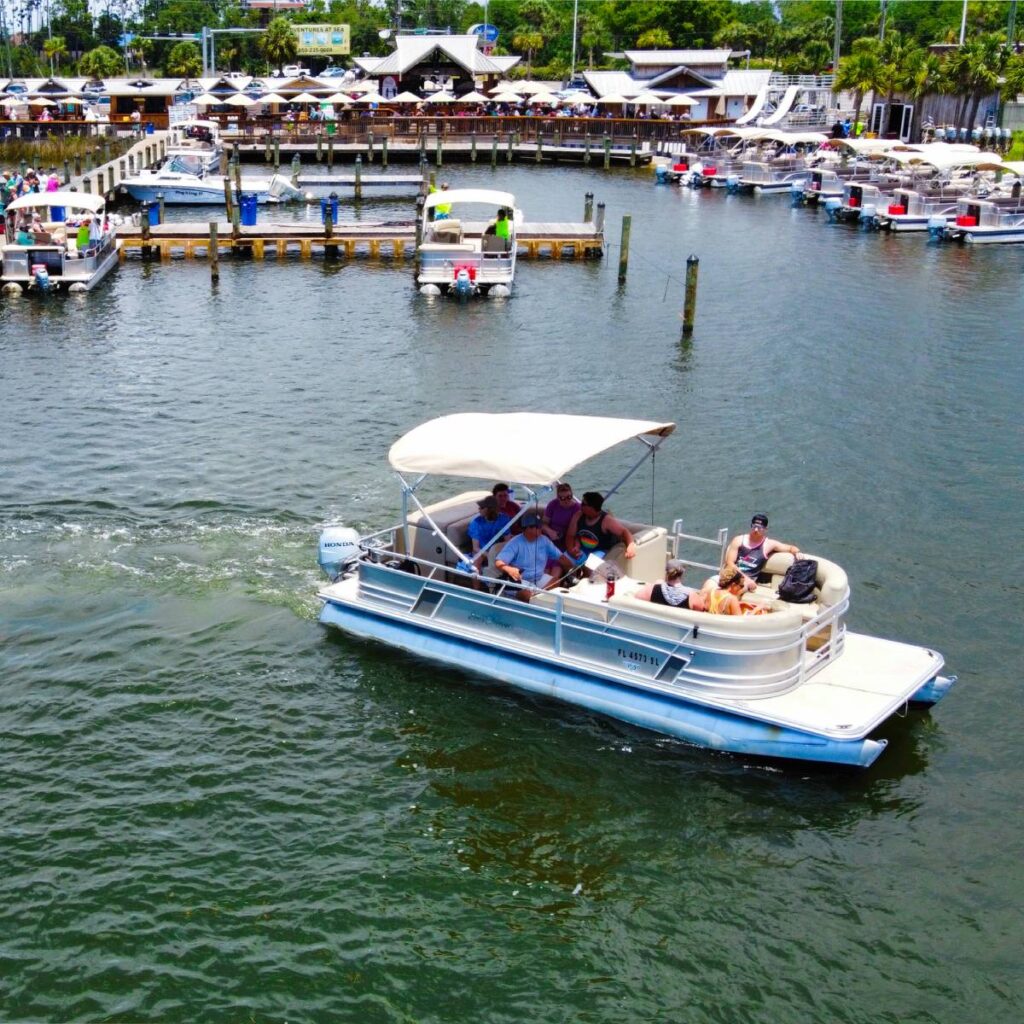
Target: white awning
x,y
78,200
483,196
524,447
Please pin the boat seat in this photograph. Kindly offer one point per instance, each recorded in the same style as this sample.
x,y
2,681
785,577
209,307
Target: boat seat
x,y
448,248
778,621
571,605
447,230
492,244
648,563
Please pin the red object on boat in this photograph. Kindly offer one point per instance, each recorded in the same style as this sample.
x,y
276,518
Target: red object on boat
x,y
897,211
468,267
708,171
680,167
965,221
854,201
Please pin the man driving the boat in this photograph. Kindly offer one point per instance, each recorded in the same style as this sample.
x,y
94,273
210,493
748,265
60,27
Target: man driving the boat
x,y
531,558
596,532
750,551
483,528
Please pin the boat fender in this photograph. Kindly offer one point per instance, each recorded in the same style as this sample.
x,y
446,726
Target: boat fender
x,y
78,287
732,182
660,174
430,289
12,288
338,550
499,291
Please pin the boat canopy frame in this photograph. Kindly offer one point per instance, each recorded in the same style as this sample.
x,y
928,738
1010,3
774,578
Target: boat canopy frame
x,y
533,449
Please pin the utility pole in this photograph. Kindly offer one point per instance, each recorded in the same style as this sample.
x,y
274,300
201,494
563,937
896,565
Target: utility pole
x,y
963,24
575,19
881,31
837,41
1011,27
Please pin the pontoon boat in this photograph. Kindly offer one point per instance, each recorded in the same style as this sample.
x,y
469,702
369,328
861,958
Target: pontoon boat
x,y
789,683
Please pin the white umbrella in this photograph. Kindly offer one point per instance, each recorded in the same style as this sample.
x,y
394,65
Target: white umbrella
x,y
304,97
240,100
680,100
207,100
370,97
608,101
472,97
338,99
361,87
529,88
272,97
72,101
41,101
405,97
441,97
648,99
545,101
509,97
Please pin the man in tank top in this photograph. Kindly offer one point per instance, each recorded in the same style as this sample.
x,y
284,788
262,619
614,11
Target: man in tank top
x,y
750,551
593,531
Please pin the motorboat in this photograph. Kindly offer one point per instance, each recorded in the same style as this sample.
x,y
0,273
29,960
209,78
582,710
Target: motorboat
x,y
791,682
860,201
197,138
183,181
57,240
984,221
462,257
771,179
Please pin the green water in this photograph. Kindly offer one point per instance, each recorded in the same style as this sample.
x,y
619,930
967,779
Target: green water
x,y
214,810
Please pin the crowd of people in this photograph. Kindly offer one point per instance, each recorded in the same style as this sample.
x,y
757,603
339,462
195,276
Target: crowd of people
x,y
541,548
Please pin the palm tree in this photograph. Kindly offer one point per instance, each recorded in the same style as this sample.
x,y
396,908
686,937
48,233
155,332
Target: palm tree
x,y
55,47
859,72
530,40
986,58
1013,83
279,43
923,79
897,56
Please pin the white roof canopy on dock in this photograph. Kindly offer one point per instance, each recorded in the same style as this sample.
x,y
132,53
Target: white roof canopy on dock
x,y
527,447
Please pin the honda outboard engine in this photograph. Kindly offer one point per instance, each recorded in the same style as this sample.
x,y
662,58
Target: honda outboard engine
x,y
732,182
937,228
869,216
41,276
832,204
661,173
338,550
463,285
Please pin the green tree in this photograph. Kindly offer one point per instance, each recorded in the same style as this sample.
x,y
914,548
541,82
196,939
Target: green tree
x,y
896,58
184,61
859,72
101,62
1013,82
654,39
279,43
923,80
531,41
986,58
54,48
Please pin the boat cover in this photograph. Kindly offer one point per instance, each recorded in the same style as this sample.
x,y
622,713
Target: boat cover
x,y
526,447
77,200
483,196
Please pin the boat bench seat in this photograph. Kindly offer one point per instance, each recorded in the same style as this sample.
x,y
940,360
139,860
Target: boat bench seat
x,y
447,247
648,563
571,605
778,621
832,584
446,230
494,244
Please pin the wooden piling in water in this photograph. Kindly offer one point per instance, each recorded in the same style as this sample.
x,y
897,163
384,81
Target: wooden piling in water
x,y
277,153
369,147
359,177
227,197
472,147
319,149
439,154
67,171
494,153
160,205
690,301
213,254
223,162
586,148
508,149
266,148
540,149
87,184
599,219
384,152
627,222
607,152
588,207
330,153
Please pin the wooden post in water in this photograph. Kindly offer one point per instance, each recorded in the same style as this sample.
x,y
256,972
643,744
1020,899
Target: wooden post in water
x,y
632,153
472,147
494,153
160,205
87,184
588,207
296,164
131,164
331,250
359,177
627,222
607,152
78,165
420,202
266,148
319,149
586,147
540,147
384,152
690,302
67,171
236,222
122,169
439,153
223,161
599,219
213,254
144,224
277,153
508,151
330,153
369,147
238,181
227,197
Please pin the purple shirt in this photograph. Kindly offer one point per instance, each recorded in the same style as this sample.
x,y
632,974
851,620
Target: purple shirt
x,y
559,516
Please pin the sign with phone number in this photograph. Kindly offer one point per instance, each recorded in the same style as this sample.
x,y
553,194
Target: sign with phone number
x,y
322,40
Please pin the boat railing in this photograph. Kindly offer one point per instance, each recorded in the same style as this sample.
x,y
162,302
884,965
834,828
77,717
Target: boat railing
x,y
678,535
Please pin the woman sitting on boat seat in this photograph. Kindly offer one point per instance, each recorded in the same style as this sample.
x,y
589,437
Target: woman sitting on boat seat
x,y
671,591
725,598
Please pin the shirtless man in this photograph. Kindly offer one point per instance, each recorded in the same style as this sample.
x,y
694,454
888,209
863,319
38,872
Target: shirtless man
x,y
749,551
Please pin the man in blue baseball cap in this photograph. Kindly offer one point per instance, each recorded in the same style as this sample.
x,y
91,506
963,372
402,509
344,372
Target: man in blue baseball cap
x,y
532,559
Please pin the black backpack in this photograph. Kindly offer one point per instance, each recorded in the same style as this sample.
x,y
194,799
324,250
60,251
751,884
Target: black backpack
x,y
797,585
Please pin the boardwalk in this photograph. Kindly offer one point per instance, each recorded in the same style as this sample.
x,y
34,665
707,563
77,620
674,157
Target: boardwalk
x,y
394,240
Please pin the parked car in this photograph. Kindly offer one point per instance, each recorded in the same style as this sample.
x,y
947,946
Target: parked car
x,y
292,71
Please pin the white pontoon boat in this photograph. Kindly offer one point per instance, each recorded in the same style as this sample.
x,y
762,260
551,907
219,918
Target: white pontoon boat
x,y
459,256
70,245
788,683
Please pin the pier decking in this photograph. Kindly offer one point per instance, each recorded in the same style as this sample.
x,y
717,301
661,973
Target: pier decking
x,y
396,240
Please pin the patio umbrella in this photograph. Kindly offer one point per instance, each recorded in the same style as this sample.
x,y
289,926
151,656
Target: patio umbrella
x,y
529,88
72,101
240,100
361,87
614,98
509,97
41,101
272,97
304,97
405,97
648,99
338,99
207,100
680,100
370,97
472,97
440,97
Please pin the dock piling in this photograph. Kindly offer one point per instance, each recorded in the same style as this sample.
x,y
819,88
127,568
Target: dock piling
x,y
238,180
369,147
67,171
420,203
599,219
494,153
588,207
472,147
266,148
223,161
439,153
121,170
236,225
632,153
586,148
384,152
87,184
508,151
78,165
160,205
277,153
319,149
330,153
627,222
144,224
690,302
227,197
607,152
540,149
213,254
296,164
359,177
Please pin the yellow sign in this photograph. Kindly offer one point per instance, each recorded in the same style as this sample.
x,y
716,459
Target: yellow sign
x,y
322,40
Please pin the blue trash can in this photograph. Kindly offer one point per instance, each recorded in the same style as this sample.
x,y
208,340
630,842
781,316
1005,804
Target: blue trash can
x,y
58,215
152,211
150,128
247,206
329,207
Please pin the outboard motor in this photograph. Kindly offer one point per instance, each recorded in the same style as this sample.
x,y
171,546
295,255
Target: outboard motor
x,y
338,550
463,285
869,217
832,204
937,228
41,276
732,182
661,174
798,192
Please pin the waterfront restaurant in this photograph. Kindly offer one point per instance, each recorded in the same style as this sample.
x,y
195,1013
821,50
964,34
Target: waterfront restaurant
x,y
426,64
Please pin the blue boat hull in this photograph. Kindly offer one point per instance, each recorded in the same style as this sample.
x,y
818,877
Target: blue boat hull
x,y
671,716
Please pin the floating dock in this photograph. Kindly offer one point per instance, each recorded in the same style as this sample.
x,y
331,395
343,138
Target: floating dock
x,y
190,239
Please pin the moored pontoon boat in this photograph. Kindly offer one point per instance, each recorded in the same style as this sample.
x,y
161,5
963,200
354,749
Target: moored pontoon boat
x,y
789,683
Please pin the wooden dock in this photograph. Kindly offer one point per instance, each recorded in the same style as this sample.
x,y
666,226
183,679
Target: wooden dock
x,y
190,239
